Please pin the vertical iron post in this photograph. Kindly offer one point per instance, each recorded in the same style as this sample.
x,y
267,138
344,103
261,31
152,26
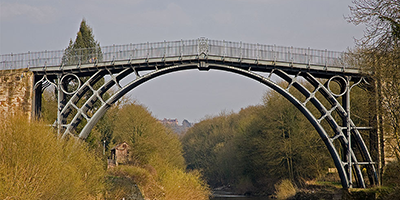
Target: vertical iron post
x,y
59,97
104,147
348,131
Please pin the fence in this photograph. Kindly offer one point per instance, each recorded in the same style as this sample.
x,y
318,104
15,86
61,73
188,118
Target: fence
x,y
173,49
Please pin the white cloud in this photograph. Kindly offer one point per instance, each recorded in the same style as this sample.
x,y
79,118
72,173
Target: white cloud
x,y
34,14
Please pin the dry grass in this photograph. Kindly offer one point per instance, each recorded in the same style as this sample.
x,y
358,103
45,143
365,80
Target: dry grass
x,y
147,184
157,165
284,189
169,184
181,185
35,164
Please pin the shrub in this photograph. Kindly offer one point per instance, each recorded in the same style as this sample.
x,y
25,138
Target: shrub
x,y
284,189
156,162
146,182
179,184
391,176
35,164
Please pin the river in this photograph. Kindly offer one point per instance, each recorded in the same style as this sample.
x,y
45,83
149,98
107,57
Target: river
x,y
220,195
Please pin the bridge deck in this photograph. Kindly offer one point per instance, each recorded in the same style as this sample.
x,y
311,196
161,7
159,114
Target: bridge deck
x,y
144,64
148,55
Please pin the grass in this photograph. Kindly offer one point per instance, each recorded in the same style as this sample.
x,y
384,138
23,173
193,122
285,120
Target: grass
x,y
171,183
156,162
337,185
35,164
284,189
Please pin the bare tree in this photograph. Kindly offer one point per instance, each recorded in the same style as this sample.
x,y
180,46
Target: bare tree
x,y
382,21
379,52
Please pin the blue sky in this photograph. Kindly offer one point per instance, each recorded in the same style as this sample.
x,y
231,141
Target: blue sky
x,y
37,25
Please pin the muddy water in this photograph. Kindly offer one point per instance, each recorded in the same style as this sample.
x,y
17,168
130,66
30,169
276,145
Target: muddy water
x,y
220,195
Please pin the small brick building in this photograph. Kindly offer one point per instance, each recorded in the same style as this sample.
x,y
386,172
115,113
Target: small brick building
x,y
119,155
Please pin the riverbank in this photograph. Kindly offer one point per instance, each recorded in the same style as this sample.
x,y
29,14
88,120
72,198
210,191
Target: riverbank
x,y
224,195
228,193
311,191
329,191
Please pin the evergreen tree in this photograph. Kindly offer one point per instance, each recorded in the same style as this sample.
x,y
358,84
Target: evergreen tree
x,y
85,49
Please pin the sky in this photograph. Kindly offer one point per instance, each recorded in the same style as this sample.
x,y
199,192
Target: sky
x,y
38,25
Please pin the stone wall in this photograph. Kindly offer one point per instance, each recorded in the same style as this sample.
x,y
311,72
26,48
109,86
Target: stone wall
x,y
16,94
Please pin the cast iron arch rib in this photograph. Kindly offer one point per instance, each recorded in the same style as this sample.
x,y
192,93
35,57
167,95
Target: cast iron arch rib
x,y
203,65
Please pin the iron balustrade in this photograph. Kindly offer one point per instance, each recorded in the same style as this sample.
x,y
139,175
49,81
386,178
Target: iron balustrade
x,y
173,49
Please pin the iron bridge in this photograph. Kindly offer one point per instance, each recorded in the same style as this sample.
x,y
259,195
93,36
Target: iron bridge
x,y
145,61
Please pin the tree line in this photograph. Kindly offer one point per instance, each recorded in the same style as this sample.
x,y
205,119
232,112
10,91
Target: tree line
x,y
253,149
379,51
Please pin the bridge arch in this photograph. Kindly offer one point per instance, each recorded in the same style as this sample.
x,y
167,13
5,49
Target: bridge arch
x,y
288,64
293,82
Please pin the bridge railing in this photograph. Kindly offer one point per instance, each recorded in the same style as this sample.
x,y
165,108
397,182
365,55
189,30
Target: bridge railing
x,y
172,49
279,53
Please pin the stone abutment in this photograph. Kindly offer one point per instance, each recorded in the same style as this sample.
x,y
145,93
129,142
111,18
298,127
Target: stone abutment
x,y
16,92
